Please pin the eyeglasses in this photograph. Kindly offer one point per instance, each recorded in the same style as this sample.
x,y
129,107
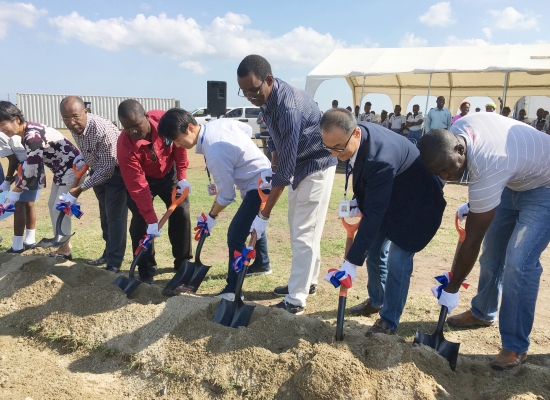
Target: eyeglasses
x,y
73,118
154,157
251,94
338,149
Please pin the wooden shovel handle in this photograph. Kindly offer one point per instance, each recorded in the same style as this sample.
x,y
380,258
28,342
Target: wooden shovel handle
x,y
175,202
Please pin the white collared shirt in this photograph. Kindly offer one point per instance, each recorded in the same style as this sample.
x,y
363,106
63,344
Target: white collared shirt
x,y
396,121
367,117
412,118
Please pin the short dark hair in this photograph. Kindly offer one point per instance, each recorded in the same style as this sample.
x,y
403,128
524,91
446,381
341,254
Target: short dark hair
x,y
368,103
254,64
335,103
130,107
175,121
9,111
506,109
338,118
436,143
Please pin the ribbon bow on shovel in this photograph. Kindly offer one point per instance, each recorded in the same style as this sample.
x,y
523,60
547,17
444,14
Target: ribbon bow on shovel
x,y
201,229
444,281
10,208
247,255
144,244
69,209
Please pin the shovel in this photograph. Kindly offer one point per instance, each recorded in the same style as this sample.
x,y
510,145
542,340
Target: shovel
x,y
130,284
343,295
235,313
189,276
61,238
436,341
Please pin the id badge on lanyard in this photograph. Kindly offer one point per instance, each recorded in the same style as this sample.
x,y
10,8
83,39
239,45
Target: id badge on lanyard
x,y
211,187
344,205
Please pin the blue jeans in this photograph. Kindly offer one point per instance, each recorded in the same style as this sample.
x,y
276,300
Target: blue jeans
x,y
518,234
416,135
238,233
400,266
377,269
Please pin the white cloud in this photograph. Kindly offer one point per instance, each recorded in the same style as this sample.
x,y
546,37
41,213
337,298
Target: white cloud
x,y
409,40
438,15
225,37
510,18
18,13
487,32
454,41
194,66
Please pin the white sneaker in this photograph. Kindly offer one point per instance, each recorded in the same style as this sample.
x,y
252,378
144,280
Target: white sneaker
x,y
228,296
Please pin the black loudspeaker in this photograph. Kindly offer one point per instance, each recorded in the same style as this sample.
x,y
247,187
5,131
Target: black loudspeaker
x,y
216,92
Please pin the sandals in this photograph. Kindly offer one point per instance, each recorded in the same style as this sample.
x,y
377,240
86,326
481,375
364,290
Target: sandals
x,y
62,256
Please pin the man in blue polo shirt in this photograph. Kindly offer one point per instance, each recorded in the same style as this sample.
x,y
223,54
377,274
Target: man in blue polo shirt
x,y
299,161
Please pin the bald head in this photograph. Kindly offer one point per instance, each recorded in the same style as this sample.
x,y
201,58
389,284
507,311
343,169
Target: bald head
x,y
74,114
70,102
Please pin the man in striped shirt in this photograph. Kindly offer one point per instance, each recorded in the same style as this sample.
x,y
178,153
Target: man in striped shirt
x,y
96,138
299,161
509,201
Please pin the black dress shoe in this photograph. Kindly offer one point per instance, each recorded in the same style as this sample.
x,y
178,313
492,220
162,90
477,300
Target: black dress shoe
x,y
364,309
29,246
97,262
283,290
112,269
12,251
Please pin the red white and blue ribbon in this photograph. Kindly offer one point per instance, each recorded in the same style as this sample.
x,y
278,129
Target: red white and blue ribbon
x,y
73,209
444,281
144,244
239,258
9,208
337,278
202,228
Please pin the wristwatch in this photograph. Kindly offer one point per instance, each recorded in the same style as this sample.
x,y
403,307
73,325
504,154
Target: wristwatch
x,y
9,178
83,188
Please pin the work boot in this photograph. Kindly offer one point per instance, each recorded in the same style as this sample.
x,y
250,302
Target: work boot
x,y
364,309
283,290
147,279
508,359
467,320
380,326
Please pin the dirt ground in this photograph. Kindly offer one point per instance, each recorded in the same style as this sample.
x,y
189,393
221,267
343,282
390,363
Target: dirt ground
x,y
67,333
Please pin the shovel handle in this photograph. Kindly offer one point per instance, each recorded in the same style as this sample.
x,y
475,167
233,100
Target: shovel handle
x,y
80,174
176,201
461,231
442,318
263,196
351,228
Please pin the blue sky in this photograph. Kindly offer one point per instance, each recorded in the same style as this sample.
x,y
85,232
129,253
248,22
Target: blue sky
x,y
171,48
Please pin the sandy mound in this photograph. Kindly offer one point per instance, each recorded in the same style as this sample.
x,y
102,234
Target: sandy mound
x,y
277,356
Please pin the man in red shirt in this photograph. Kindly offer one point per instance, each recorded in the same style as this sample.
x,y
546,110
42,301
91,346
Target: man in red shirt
x,y
152,166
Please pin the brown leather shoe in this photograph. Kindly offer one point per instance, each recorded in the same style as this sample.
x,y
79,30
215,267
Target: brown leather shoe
x,y
467,320
364,309
380,326
507,359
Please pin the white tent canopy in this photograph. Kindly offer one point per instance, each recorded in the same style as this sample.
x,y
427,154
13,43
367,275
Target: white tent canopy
x,y
510,71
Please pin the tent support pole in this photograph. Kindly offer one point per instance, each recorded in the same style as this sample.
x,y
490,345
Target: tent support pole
x,y
362,89
504,90
428,98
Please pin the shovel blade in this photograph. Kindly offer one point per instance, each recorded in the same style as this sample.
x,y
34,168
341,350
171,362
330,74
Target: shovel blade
x,y
61,240
447,350
242,316
121,282
224,313
128,285
45,243
233,313
197,278
184,275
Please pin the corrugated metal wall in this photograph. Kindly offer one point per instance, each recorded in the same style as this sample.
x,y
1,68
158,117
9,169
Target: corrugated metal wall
x,y
44,108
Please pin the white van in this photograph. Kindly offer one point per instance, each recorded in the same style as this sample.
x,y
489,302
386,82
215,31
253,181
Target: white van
x,y
248,115
202,115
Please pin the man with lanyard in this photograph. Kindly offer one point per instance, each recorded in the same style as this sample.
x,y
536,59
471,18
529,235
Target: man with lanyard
x,y
397,122
367,116
389,180
414,123
439,117
96,137
151,167
298,160
234,161
509,212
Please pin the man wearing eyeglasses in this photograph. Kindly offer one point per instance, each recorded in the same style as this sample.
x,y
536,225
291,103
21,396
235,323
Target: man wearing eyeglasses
x,y
299,161
96,139
151,166
399,200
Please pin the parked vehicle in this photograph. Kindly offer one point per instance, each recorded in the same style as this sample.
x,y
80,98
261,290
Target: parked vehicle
x,y
202,115
248,115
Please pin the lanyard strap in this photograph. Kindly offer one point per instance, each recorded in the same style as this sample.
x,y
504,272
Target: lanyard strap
x,y
202,140
349,171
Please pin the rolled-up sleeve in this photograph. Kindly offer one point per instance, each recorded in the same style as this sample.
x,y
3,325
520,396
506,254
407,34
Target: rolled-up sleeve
x,y
287,146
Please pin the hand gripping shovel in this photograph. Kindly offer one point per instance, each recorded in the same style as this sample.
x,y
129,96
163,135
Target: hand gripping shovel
x,y
444,348
191,274
130,284
343,295
5,212
235,313
61,238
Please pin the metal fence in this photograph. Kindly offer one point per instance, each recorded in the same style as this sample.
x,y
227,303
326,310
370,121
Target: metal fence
x,y
44,108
